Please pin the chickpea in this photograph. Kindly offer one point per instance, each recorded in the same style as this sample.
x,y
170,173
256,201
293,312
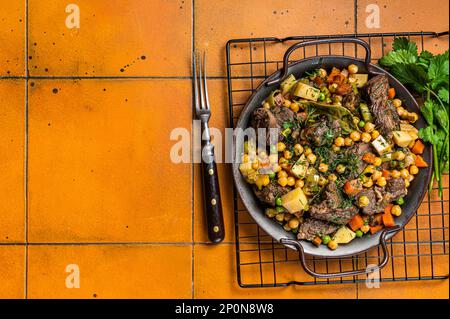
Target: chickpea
x,y
282,174
271,212
401,111
352,69
363,201
287,154
340,168
381,181
322,73
407,183
348,141
299,183
413,170
369,169
335,148
286,103
399,156
368,184
284,163
286,227
266,180
404,173
365,228
339,141
396,210
369,127
245,158
255,165
395,173
282,181
375,134
295,107
290,181
376,175
322,181
298,149
332,177
356,120
397,102
281,146
365,137
413,117
377,162
279,217
332,88
311,158
308,151
332,245
266,105
355,136
294,223
323,167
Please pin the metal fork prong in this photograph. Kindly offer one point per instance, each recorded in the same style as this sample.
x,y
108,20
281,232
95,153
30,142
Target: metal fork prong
x,y
202,93
204,81
194,74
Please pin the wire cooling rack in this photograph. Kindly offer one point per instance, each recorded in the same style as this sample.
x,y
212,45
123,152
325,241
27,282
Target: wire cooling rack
x,y
419,252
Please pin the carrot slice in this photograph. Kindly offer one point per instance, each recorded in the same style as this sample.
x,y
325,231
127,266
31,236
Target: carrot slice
x,y
420,162
386,174
356,223
317,241
391,93
388,208
368,158
375,229
418,147
388,220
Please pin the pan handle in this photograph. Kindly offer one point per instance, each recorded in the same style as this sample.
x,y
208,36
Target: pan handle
x,y
317,42
302,258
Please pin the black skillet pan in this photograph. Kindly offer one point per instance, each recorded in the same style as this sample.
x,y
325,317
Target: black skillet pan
x,y
416,190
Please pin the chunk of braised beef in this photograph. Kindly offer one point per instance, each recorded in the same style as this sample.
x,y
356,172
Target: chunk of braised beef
x,y
385,115
269,193
311,228
351,101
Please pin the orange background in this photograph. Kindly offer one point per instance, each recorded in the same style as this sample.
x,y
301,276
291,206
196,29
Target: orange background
x,y
85,174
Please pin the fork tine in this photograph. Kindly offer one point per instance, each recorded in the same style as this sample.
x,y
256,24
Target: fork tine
x,y
200,76
194,75
204,81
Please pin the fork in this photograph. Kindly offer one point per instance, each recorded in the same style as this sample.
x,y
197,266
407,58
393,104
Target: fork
x,y
211,192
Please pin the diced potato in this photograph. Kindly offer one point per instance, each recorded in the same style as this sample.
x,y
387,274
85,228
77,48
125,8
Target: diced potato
x,y
306,91
294,201
361,79
344,235
300,168
402,139
404,127
287,84
381,145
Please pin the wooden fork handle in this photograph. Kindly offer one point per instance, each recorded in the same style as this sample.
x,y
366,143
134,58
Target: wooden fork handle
x,y
211,195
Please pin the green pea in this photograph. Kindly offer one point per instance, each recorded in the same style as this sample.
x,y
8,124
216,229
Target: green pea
x,y
280,209
361,123
272,175
359,233
401,201
394,164
278,201
326,239
322,96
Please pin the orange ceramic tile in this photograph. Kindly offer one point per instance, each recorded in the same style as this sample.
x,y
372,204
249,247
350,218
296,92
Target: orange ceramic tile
x,y
436,289
217,90
12,38
99,161
12,272
407,15
215,277
12,198
215,25
115,38
109,271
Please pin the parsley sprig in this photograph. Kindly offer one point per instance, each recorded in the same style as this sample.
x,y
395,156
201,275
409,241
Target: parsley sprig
x,y
428,75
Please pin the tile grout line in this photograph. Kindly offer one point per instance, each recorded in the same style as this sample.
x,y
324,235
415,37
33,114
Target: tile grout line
x,y
193,167
26,150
